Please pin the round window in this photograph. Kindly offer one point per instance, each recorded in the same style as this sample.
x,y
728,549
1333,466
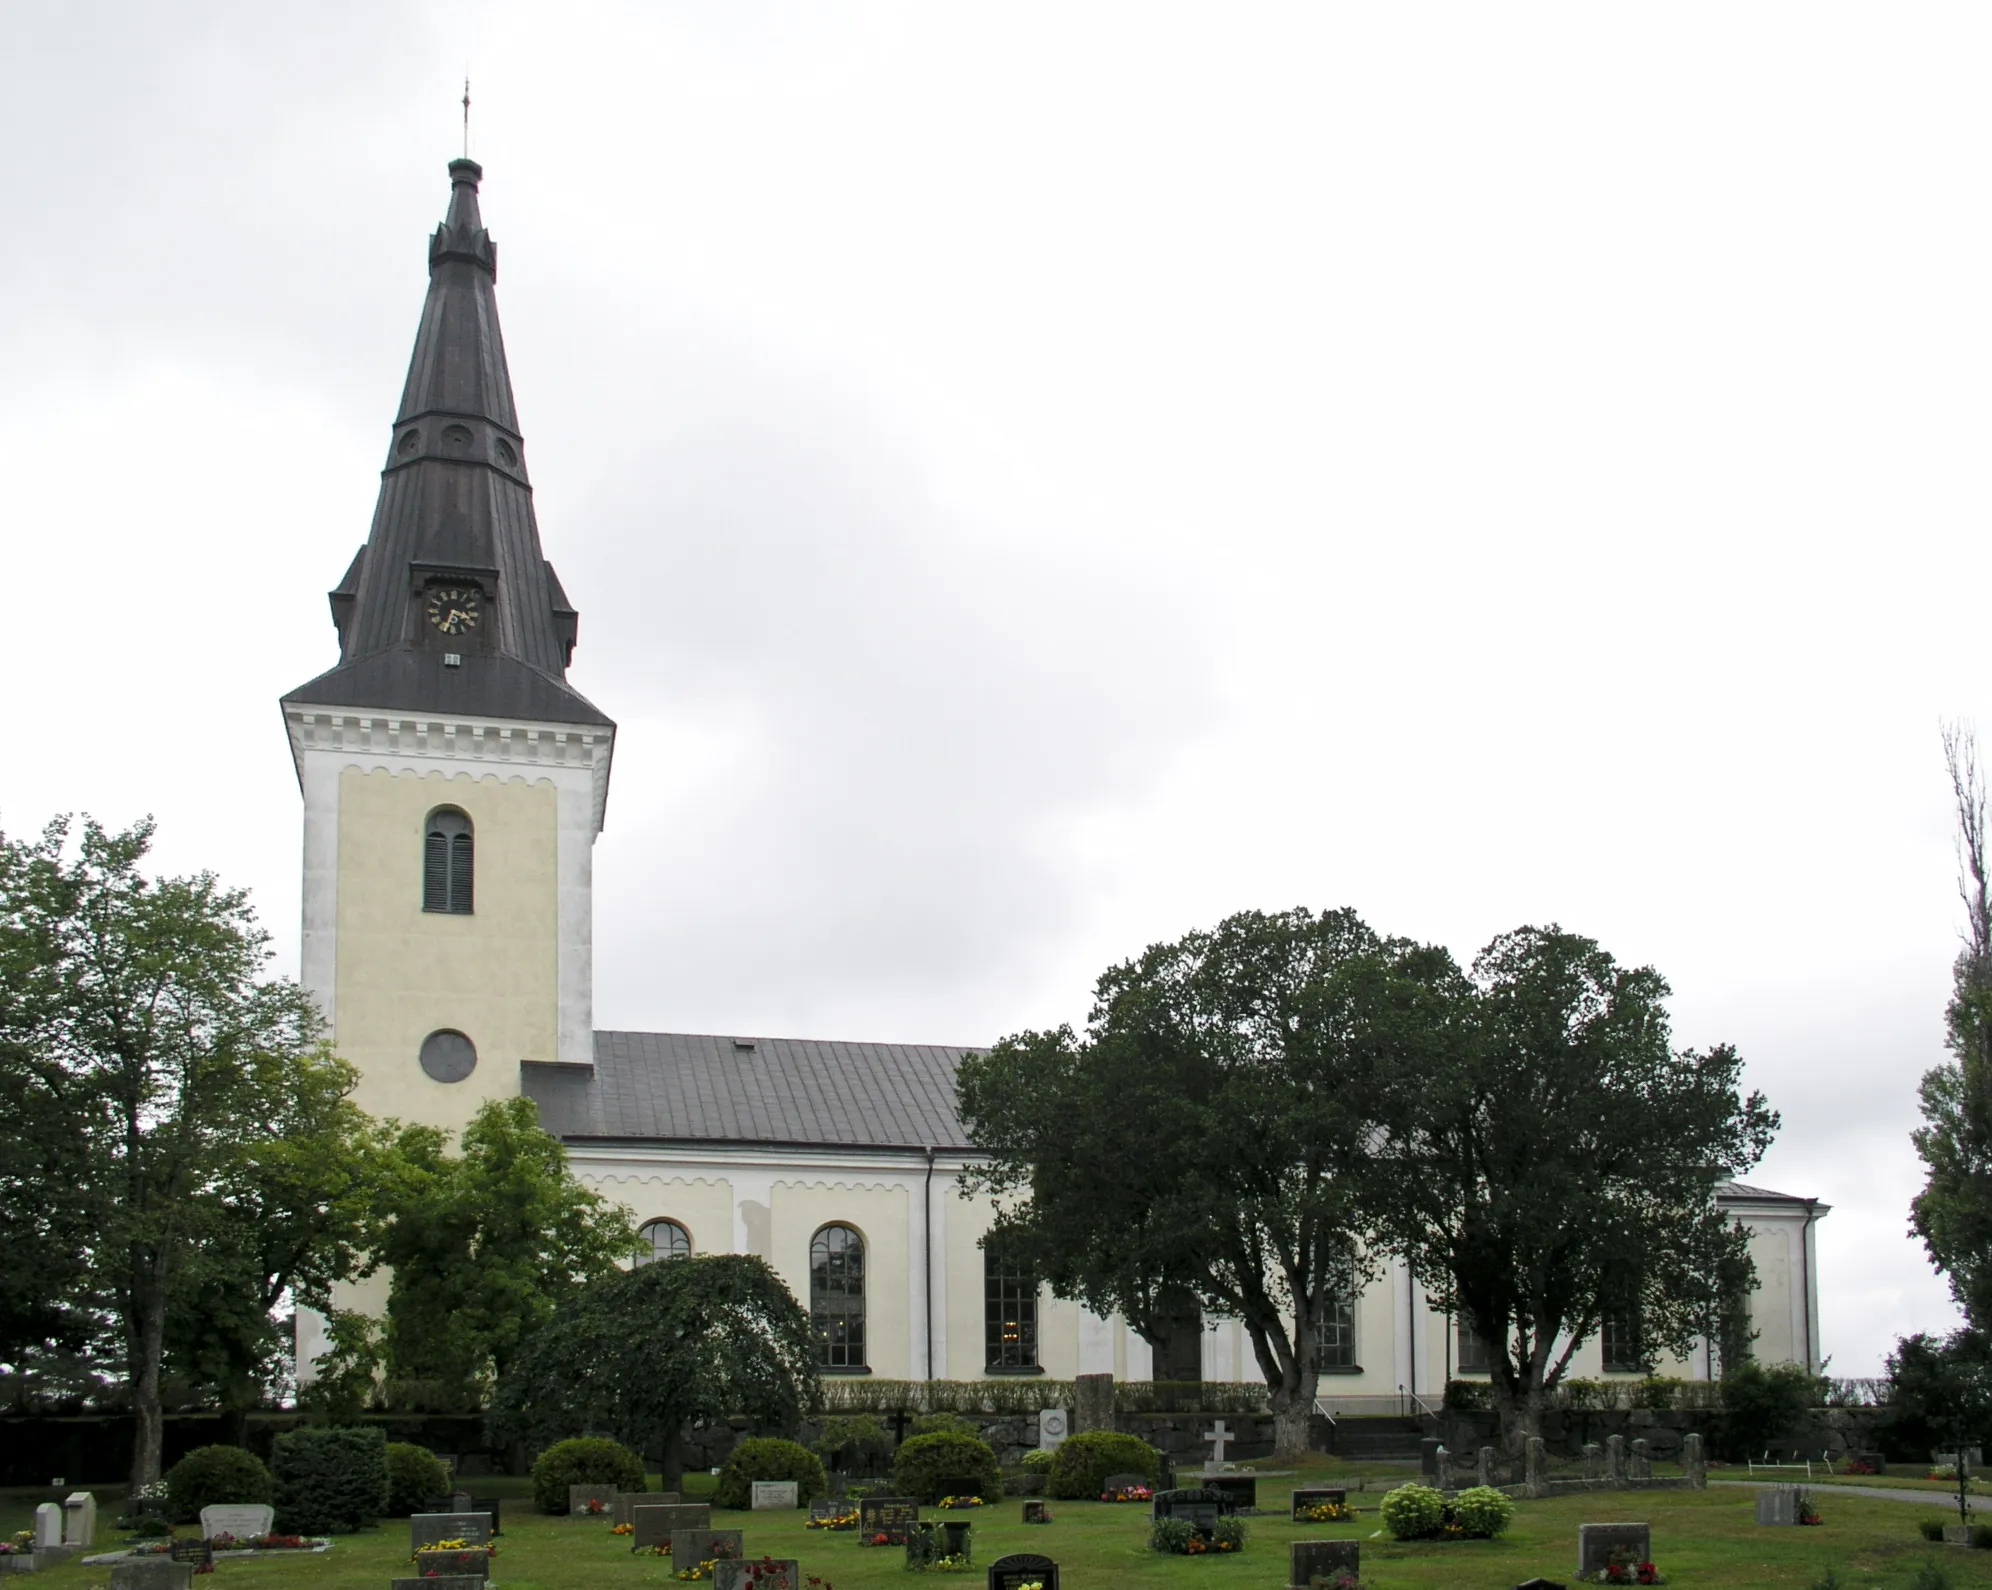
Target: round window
x,y
448,1056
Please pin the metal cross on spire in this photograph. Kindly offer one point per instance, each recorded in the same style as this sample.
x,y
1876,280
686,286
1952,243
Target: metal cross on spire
x,y
466,118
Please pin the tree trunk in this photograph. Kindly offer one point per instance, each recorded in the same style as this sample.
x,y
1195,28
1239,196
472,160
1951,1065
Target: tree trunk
x,y
1290,1426
148,1345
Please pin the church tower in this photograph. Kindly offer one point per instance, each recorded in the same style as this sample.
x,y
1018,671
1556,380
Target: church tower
x,y
453,781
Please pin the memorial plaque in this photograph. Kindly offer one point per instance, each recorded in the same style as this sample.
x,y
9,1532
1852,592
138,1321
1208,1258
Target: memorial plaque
x,y
774,1496
654,1526
425,1529
187,1549
1022,1568
1200,1508
244,1523
758,1573
623,1509
1326,1558
1597,1542
883,1520
1054,1425
690,1547
1307,1497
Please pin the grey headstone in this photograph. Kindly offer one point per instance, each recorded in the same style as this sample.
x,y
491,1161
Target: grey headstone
x,y
1535,1466
1693,1462
1442,1461
1428,1458
654,1526
1036,1512
1483,1466
690,1547
774,1496
48,1527
623,1509
785,1574
1642,1460
425,1529
1054,1425
1778,1505
1594,1461
1615,1459
244,1522
79,1520
1597,1542
151,1573
1307,1558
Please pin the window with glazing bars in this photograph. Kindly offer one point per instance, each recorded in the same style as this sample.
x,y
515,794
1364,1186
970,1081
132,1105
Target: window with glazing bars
x,y
837,1297
1335,1324
447,863
1621,1342
1473,1359
1009,1311
667,1239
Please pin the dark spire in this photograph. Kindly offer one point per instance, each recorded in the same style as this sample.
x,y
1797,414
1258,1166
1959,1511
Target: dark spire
x,y
450,607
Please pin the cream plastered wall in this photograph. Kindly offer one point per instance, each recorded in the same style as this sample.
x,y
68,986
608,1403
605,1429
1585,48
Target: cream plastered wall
x,y
884,1212
703,1205
402,972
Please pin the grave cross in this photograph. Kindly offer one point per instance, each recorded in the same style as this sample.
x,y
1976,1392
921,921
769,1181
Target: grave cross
x,y
1218,1436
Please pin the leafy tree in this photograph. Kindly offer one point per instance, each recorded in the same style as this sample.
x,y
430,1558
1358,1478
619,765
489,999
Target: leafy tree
x,y
641,1353
1953,1213
1212,1130
1558,1161
211,1125
1946,1386
485,1245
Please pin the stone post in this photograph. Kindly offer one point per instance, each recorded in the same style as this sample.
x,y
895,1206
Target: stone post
x,y
1594,1462
1642,1460
1694,1463
1535,1469
1615,1461
1092,1403
1444,1478
1483,1466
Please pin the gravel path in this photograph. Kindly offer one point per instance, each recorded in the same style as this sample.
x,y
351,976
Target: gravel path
x,y
1940,1499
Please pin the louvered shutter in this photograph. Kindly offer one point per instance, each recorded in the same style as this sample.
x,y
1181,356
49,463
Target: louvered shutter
x,y
460,874
436,872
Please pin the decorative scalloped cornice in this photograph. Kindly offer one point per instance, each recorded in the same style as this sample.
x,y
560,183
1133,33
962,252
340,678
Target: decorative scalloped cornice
x,y
388,741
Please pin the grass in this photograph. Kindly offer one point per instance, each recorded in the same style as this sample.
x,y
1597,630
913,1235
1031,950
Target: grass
x,y
1700,1537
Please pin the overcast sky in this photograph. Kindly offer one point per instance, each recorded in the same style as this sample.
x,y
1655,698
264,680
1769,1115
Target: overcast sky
x,y
1037,478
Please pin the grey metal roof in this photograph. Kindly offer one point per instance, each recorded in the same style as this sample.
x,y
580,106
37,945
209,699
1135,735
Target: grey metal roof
x,y
1762,1195
455,507
702,1087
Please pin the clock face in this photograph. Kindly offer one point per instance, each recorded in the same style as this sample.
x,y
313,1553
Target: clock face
x,y
453,609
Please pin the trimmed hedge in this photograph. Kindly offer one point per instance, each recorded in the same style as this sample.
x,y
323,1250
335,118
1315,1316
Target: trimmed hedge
x,y
924,1464
414,1475
769,1458
329,1481
585,1460
214,1476
1080,1470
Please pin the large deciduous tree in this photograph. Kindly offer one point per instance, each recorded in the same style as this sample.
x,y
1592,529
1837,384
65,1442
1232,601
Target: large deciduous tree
x,y
1211,1131
484,1245
642,1353
1953,1213
1557,1161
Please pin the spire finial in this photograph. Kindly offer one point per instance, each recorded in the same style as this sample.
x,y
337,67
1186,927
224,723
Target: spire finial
x,y
466,116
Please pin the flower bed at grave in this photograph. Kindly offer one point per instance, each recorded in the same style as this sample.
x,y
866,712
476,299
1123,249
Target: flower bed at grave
x,y
1623,1569
847,1520
22,1545
957,1504
1325,1513
622,1529
227,1542
1129,1493
1418,1512
1181,1537
594,1507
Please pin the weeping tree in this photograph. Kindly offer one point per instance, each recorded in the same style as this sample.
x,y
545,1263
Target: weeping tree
x,y
1210,1132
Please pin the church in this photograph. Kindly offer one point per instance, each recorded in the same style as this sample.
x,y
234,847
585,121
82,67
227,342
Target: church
x,y
453,786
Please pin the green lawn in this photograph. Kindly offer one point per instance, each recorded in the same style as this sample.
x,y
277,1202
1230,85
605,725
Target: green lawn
x,y
1701,1538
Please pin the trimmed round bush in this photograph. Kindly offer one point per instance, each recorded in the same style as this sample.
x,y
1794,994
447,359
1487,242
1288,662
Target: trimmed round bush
x,y
1411,1512
925,1464
1483,1511
1083,1462
215,1476
414,1474
585,1460
1040,1459
769,1458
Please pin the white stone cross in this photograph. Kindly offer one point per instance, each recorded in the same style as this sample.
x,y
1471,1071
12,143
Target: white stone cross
x,y
1217,1437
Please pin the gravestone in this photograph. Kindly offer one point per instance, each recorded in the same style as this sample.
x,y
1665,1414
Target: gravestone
x,y
1541,1584
489,1505
1124,1482
1054,1425
472,1562
579,1496
1307,1558
1307,1496
623,1509
1428,1459
759,1573
832,1506
774,1495
462,1581
1594,1462
889,1516
1615,1459
1036,1513
425,1529
1535,1466
48,1527
1693,1462
1021,1568
197,1552
1219,1438
1642,1461
1597,1542
151,1573
244,1522
1483,1466
1239,1491
1092,1403
1201,1509
654,1526
690,1547
1874,1462
79,1520
1443,1462
1778,1505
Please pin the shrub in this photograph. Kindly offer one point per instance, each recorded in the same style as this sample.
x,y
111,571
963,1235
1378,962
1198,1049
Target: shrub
x,y
1761,1404
1040,1459
1468,1396
853,1440
585,1460
925,1464
1412,1512
1179,1535
1981,1536
1582,1394
149,1525
1931,1528
1483,1511
329,1481
944,1424
769,1458
1171,1534
414,1474
214,1476
1082,1463
1659,1392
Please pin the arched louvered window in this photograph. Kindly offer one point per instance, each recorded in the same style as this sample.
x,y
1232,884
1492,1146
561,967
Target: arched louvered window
x,y
837,1298
667,1239
447,862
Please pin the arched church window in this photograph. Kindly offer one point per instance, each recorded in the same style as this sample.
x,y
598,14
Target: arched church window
x,y
667,1239
447,862
837,1298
